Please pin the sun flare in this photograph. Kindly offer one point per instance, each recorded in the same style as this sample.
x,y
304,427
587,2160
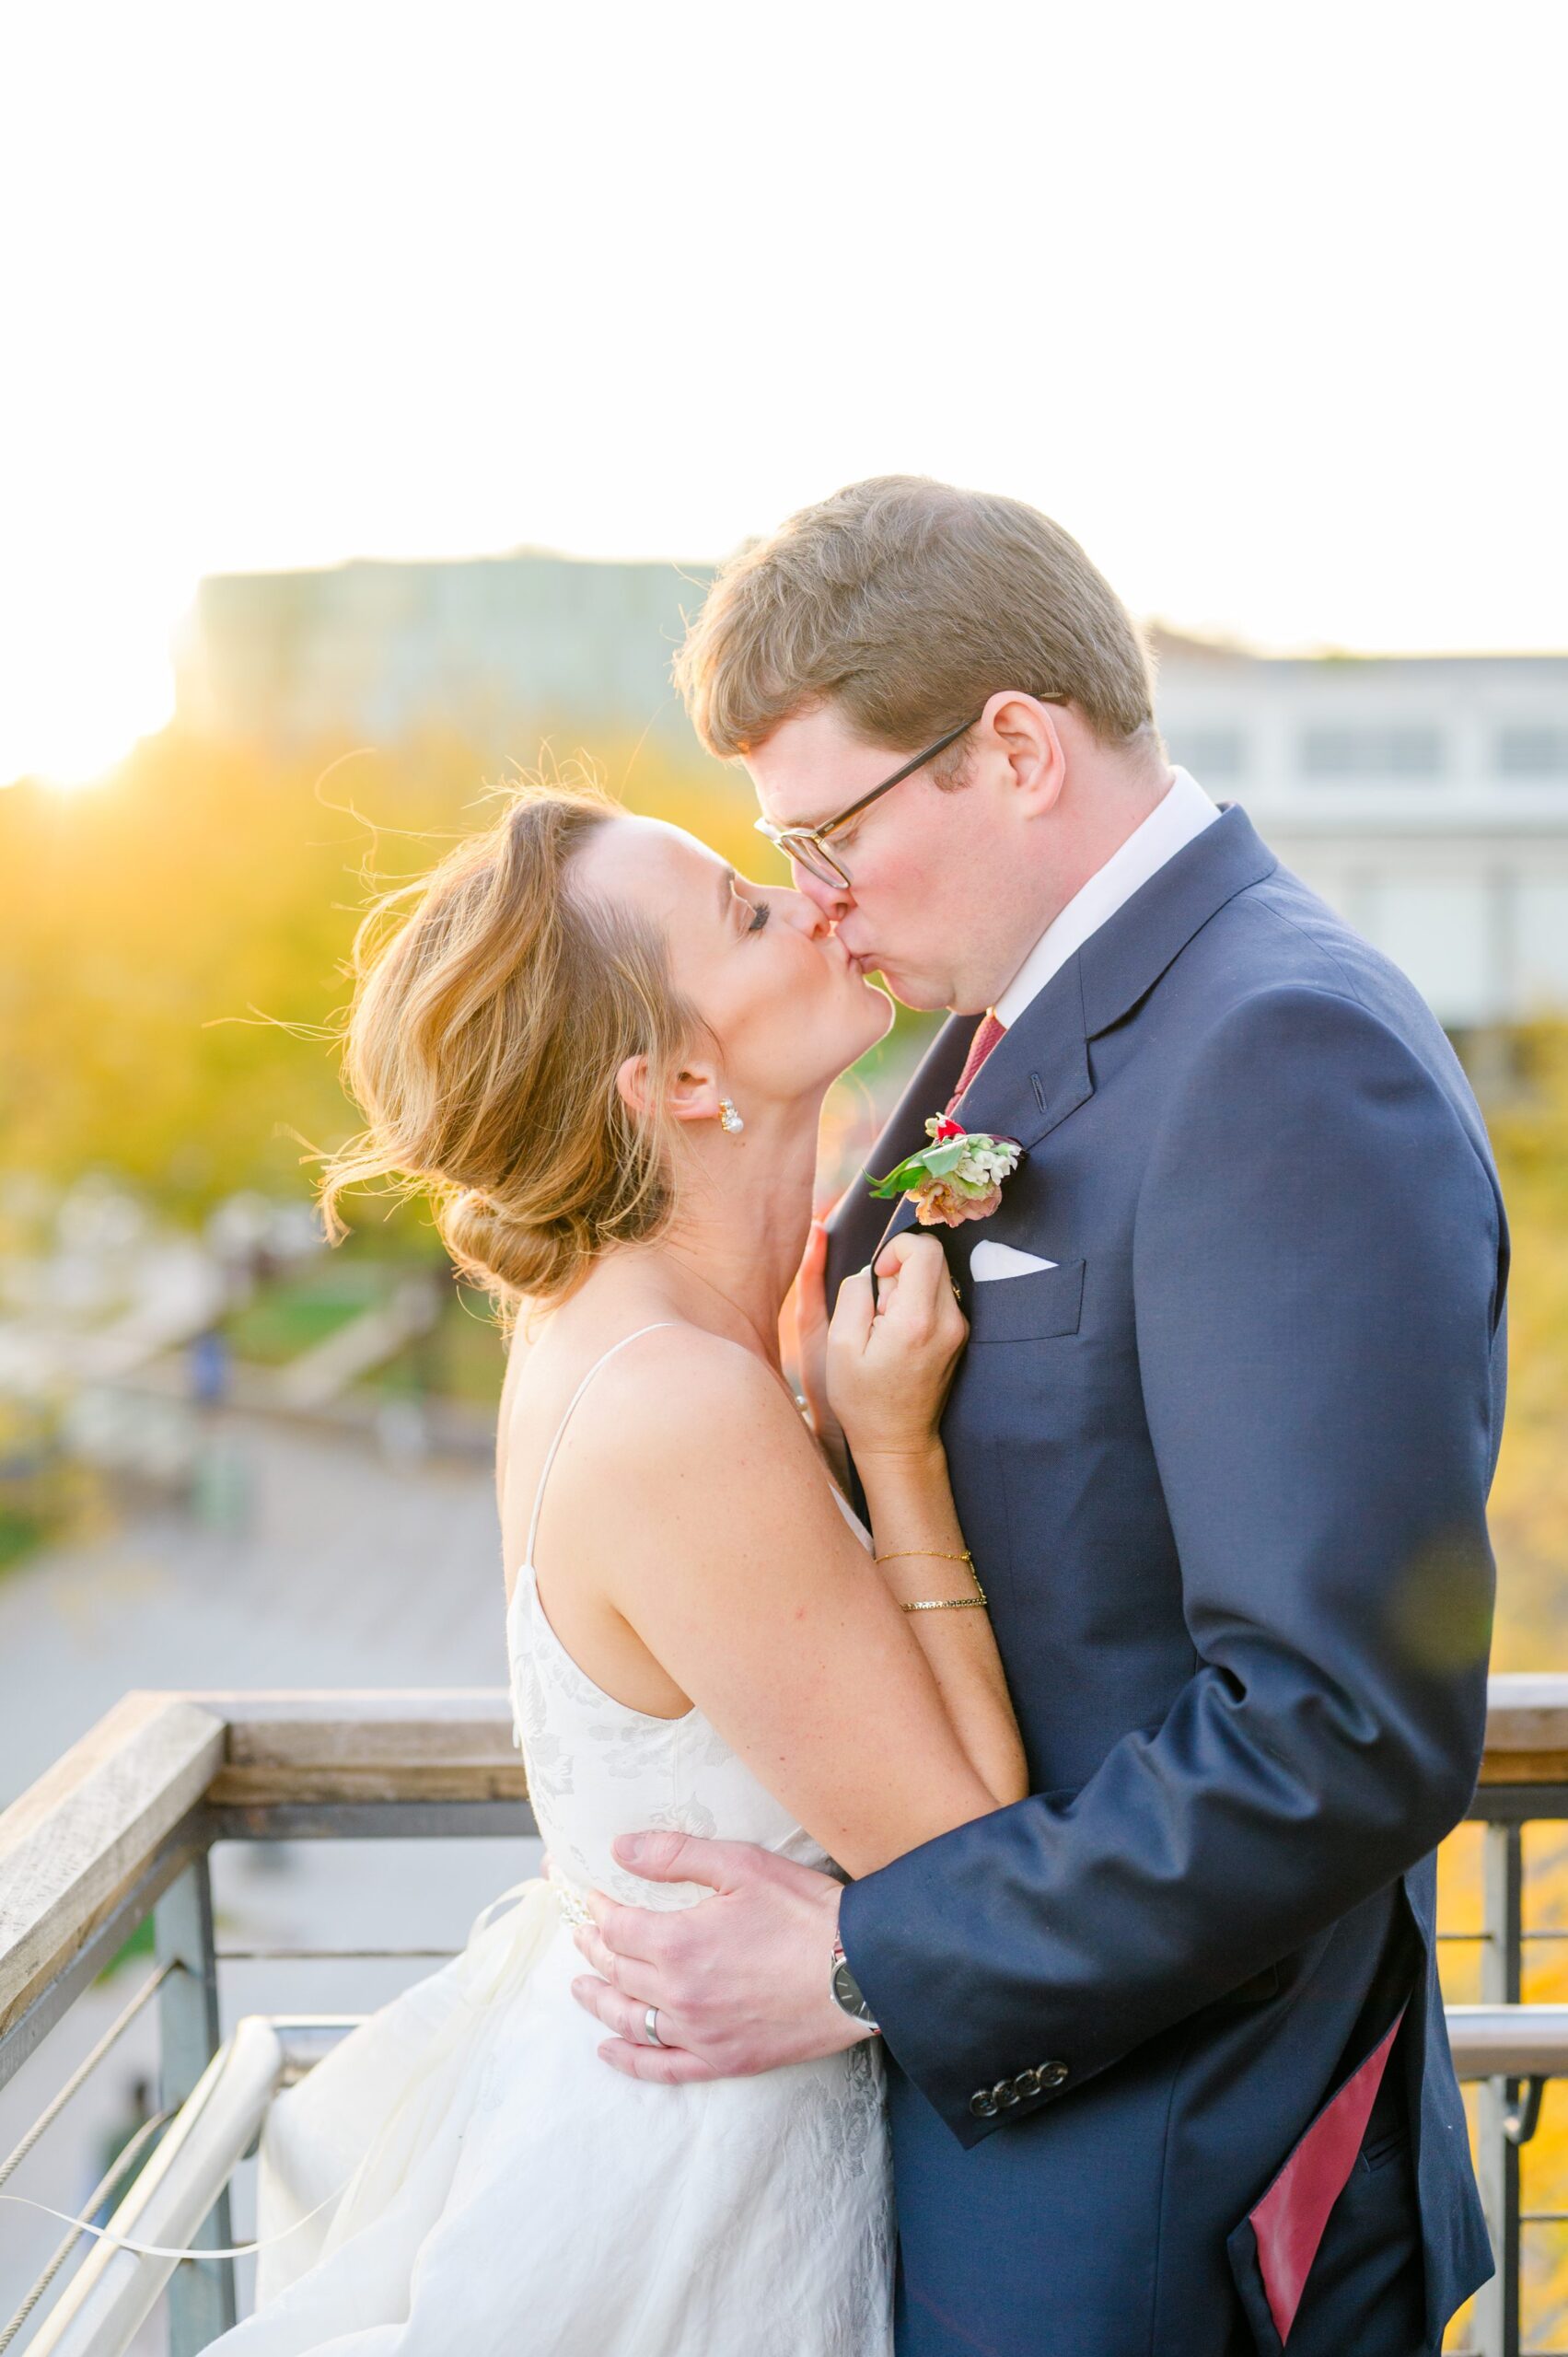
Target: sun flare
x,y
71,711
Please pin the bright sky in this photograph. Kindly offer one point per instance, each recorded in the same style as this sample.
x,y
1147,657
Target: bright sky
x,y
1265,305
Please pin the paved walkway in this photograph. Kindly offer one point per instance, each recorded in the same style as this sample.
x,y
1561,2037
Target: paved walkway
x,y
352,1571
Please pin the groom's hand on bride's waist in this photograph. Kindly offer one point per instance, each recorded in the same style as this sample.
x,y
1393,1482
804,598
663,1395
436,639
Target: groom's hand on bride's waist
x,y
740,1983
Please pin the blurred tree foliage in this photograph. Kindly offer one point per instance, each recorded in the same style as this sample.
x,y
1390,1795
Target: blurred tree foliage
x,y
174,944
1530,1500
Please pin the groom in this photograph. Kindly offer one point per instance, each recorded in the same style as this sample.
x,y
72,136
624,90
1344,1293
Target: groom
x,y
1167,2061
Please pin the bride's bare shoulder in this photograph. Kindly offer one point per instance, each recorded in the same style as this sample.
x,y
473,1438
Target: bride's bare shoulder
x,y
694,1456
681,1372
684,1398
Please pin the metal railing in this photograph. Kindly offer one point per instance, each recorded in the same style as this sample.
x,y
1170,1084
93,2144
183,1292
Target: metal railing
x,y
180,2191
1514,2049
121,1829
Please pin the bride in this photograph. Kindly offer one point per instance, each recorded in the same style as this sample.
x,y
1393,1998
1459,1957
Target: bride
x,y
603,1055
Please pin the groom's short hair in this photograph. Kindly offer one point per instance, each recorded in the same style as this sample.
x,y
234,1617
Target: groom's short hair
x,y
908,603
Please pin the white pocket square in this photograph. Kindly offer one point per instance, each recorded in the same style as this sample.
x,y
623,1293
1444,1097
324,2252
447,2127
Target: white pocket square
x,y
990,1260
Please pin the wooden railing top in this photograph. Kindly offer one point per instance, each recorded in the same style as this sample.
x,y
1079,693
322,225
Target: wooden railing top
x,y
82,1834
1526,1729
78,1839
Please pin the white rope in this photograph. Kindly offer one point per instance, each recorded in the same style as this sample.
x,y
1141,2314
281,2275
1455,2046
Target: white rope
x,y
168,2250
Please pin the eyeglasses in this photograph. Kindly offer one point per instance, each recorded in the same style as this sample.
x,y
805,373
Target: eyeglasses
x,y
807,845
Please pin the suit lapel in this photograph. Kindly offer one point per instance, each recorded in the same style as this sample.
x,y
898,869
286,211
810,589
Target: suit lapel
x,y
1032,1079
1125,958
1040,1072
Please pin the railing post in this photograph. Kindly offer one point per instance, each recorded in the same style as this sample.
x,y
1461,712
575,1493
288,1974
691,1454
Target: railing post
x,y
201,2291
1497,2303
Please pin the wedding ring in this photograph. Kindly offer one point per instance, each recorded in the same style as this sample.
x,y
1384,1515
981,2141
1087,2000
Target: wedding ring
x,y
650,2027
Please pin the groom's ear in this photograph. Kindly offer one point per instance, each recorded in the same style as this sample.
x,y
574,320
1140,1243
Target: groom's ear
x,y
1026,733
691,1096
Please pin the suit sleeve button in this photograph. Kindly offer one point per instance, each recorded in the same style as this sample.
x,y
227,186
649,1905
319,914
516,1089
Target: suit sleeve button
x,y
1052,2075
1003,2095
982,2103
1026,2083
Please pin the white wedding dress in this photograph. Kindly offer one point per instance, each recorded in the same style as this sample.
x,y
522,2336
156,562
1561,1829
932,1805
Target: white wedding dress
x,y
508,2194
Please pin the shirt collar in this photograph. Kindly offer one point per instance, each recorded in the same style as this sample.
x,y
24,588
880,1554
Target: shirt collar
x,y
1182,813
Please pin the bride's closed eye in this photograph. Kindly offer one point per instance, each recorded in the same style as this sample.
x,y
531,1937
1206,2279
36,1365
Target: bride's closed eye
x,y
755,913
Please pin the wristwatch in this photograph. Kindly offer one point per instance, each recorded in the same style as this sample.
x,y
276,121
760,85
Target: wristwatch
x,y
846,1989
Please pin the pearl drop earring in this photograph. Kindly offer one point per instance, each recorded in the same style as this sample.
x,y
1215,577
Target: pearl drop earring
x,y
728,1118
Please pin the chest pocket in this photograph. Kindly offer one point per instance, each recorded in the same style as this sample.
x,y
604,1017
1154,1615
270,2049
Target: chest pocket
x,y
1030,1309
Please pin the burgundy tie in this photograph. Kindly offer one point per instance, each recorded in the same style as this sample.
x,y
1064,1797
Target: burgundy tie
x,y
987,1033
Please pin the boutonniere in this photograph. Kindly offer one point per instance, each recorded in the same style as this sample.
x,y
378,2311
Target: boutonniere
x,y
959,1176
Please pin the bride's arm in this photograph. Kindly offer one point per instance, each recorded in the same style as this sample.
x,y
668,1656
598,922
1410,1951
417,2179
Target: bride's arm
x,y
876,1369
924,1564
707,1523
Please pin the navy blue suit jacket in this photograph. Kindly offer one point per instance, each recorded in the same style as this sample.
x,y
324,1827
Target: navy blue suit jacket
x,y
1224,1470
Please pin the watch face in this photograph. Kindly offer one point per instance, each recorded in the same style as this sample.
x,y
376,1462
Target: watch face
x,y
846,1989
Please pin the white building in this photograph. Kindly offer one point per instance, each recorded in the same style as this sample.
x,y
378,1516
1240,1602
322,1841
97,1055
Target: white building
x,y
1427,797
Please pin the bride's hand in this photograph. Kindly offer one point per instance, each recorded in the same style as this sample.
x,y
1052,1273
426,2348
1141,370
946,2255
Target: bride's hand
x,y
891,1362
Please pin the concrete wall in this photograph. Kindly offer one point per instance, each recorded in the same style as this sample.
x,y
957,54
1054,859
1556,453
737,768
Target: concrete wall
x,y
484,645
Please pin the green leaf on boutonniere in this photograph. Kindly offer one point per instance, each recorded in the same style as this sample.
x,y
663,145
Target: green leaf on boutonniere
x,y
931,1162
899,1181
958,1166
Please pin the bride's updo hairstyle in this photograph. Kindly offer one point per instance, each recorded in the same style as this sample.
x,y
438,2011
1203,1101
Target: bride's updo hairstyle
x,y
493,1008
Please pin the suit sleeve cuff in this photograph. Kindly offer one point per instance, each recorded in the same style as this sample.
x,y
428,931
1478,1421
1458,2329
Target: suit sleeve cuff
x,y
925,2005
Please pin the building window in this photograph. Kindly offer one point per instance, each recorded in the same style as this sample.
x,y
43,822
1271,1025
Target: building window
x,y
1532,752
1371,752
1209,752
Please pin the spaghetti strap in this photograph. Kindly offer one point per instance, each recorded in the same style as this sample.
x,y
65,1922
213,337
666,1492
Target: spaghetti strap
x,y
603,1359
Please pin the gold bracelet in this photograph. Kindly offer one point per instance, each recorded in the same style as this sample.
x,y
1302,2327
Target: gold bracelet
x,y
940,1553
975,1603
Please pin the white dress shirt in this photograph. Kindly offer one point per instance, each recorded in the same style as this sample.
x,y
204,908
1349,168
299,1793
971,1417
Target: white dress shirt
x,y
1172,824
